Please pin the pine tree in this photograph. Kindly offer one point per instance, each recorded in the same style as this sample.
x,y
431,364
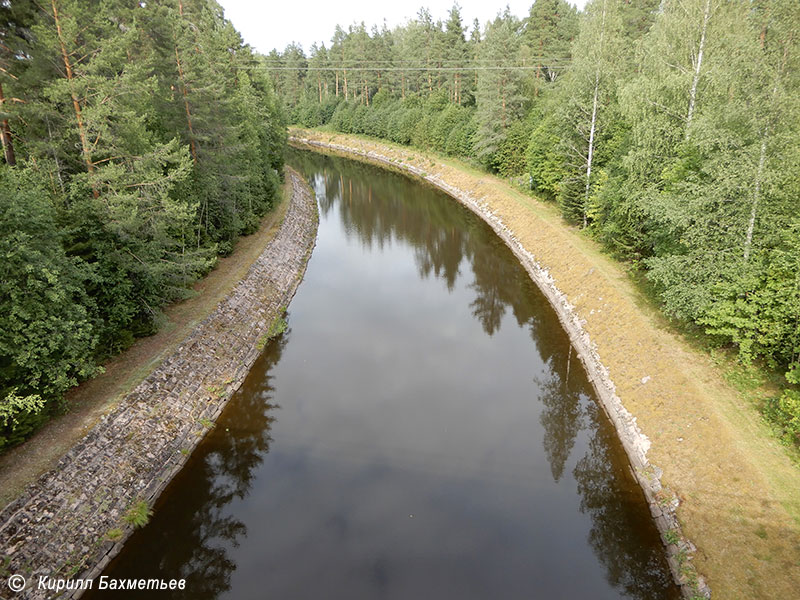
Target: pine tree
x,y
550,28
456,56
383,54
500,86
294,63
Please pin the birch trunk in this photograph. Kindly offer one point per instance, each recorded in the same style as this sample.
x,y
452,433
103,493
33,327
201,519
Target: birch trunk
x,y
762,159
698,65
590,155
593,124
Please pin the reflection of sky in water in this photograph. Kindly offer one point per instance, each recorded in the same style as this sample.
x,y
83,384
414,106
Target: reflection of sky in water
x,y
395,402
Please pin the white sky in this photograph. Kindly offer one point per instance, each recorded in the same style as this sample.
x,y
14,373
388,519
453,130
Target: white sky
x,y
274,24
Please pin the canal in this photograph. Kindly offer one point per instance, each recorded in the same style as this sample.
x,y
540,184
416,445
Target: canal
x,y
421,430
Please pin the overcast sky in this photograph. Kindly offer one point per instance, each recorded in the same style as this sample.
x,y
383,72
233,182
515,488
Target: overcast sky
x,y
274,24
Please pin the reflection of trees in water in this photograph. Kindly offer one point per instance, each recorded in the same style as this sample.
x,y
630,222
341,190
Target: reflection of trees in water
x,y
381,207
561,418
491,297
386,207
622,536
191,530
622,533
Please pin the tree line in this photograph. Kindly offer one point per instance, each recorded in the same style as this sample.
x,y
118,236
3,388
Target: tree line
x,y
138,143
667,130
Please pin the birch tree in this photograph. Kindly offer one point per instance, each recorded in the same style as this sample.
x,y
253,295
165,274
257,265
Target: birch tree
x,y
587,90
776,110
689,41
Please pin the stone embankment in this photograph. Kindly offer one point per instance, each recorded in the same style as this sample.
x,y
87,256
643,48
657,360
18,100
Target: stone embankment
x,y
72,521
636,444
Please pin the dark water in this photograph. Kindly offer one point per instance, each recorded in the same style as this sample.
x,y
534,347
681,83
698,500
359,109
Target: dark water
x,y
421,431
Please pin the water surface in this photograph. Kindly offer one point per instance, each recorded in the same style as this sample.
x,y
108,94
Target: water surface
x,y
421,430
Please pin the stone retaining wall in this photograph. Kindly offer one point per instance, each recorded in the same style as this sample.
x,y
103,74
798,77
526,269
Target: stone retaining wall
x,y
59,526
634,442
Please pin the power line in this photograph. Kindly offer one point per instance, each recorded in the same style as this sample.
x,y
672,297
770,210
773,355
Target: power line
x,y
405,69
393,61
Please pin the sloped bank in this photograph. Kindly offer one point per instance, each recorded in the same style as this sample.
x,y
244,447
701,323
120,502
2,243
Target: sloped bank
x,y
60,526
598,318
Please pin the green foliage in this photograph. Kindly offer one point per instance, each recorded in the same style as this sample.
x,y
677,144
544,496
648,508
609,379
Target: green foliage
x,y
785,413
146,142
550,29
500,93
545,162
18,415
48,339
759,313
277,327
307,113
342,118
138,514
447,119
511,156
672,536
403,123
461,139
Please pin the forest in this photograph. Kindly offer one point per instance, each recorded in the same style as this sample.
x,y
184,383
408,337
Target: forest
x,y
667,130
139,142
141,139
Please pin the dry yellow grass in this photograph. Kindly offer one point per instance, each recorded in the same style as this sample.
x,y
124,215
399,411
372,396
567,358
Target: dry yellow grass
x,y
737,486
94,398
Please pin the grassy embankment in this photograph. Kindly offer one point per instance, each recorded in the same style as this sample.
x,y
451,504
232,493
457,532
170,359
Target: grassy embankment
x,y
96,397
736,483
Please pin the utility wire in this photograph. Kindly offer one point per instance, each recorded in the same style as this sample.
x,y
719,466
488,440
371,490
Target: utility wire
x,y
405,69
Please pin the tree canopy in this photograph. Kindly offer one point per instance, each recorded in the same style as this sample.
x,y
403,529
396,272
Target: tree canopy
x,y
139,141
